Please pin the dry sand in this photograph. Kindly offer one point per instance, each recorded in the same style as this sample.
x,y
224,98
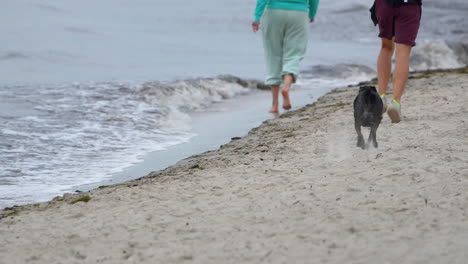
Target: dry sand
x,y
294,190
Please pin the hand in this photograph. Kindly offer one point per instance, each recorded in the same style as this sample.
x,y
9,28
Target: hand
x,y
311,21
255,26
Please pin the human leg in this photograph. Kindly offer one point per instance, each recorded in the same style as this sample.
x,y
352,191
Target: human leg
x,y
384,64
275,94
287,82
385,14
400,75
406,30
294,42
272,32
273,46
294,49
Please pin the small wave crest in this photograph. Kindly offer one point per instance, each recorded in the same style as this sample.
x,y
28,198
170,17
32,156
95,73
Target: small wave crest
x,y
193,95
13,55
353,7
342,73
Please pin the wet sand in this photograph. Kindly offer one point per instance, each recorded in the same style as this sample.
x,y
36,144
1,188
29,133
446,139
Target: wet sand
x,y
294,190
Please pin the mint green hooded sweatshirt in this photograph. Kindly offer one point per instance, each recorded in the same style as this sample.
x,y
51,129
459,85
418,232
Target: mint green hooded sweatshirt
x,y
298,5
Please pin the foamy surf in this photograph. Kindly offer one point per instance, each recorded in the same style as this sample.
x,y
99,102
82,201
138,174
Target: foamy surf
x,y
83,133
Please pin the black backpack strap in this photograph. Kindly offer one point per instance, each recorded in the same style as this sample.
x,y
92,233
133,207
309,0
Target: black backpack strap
x,y
373,15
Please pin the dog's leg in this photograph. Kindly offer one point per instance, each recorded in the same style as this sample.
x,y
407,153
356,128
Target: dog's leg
x,y
360,138
373,135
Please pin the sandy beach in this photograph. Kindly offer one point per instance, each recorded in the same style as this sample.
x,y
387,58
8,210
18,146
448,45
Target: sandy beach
x,y
294,190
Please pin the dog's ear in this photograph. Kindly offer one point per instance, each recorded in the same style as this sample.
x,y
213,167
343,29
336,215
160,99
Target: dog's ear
x,y
367,88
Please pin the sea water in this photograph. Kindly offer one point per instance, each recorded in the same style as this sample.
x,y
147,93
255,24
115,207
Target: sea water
x,y
91,88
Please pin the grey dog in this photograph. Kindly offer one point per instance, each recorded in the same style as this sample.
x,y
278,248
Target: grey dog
x,y
367,113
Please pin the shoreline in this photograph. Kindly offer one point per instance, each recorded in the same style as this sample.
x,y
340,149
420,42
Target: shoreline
x,y
262,190
236,117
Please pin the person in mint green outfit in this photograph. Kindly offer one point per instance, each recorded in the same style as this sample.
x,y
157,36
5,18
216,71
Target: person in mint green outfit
x,y
284,28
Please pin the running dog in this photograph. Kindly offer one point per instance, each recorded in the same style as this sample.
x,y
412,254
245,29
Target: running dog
x,y
368,108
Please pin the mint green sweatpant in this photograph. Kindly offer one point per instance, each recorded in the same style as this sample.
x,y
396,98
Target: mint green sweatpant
x,y
285,34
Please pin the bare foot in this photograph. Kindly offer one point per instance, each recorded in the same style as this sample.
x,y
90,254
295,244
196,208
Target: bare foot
x,y
274,110
286,101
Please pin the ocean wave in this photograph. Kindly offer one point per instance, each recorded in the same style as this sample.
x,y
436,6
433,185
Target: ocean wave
x,y
339,71
430,55
49,8
85,132
353,7
13,55
460,5
460,49
195,94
